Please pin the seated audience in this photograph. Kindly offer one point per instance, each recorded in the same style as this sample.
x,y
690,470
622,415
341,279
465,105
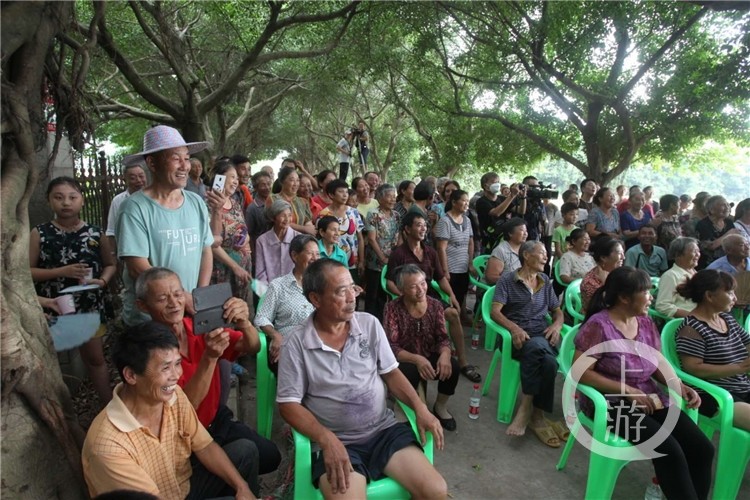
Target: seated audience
x,y
571,196
645,255
284,305
415,326
333,374
713,346
742,218
608,255
381,227
272,248
712,230
329,238
569,213
159,293
603,218
414,251
350,224
737,258
577,261
504,258
628,378
685,254
522,300
144,438
667,222
634,218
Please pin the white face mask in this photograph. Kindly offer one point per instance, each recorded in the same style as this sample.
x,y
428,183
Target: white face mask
x,y
495,188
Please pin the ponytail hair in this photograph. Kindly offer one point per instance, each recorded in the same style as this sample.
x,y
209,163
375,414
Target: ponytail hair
x,y
575,235
622,282
702,282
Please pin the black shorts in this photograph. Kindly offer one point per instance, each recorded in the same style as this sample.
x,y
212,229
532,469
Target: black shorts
x,y
709,406
371,457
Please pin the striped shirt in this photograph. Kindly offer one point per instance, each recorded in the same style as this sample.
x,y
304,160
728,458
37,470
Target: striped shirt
x,y
716,348
458,237
525,307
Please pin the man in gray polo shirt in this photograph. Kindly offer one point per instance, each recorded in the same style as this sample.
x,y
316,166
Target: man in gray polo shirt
x,y
331,388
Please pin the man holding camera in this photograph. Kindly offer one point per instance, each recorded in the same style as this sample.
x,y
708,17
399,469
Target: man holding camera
x,y
160,294
362,139
494,209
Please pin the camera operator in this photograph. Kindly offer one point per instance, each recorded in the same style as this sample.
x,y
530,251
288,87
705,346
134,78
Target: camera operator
x,y
493,209
362,140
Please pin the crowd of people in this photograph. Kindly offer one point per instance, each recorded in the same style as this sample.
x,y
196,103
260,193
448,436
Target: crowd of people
x,y
304,249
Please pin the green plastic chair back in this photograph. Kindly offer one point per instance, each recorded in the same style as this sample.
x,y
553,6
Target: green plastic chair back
x,y
480,264
385,489
434,284
384,283
747,323
734,443
265,387
572,301
556,270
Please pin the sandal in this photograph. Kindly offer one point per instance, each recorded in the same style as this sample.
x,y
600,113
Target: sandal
x,y
546,435
449,424
559,428
470,372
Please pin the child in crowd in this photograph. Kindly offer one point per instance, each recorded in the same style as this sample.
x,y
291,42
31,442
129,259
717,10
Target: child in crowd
x,y
569,213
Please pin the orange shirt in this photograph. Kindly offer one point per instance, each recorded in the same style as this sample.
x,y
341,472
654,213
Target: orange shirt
x,y
121,454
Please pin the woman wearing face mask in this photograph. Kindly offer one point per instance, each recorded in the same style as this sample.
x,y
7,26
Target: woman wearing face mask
x,y
493,209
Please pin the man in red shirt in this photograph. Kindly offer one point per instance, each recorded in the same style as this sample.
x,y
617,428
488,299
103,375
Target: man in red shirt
x,y
159,293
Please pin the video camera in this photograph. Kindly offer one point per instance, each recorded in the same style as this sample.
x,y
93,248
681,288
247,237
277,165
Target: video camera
x,y
541,192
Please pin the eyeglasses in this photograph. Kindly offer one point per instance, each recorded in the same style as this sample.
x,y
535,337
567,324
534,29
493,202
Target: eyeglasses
x,y
354,289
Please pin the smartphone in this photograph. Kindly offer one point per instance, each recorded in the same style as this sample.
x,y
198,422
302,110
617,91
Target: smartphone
x,y
209,307
219,182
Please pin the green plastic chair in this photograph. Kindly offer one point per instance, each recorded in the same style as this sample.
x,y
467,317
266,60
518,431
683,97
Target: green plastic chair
x,y
480,264
556,270
603,471
384,283
265,387
734,444
572,301
747,323
385,488
434,284
510,369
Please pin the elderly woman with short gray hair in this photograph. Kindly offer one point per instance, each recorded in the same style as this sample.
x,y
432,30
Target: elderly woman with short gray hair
x,y
272,248
685,253
415,326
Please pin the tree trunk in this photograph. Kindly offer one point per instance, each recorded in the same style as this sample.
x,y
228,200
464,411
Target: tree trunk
x,y
41,438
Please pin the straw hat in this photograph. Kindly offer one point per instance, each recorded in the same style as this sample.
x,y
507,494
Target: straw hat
x,y
159,138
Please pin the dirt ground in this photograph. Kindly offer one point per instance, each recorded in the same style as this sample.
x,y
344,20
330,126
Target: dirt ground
x,y
481,462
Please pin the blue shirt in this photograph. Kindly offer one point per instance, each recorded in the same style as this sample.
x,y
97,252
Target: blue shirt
x,y
337,254
722,264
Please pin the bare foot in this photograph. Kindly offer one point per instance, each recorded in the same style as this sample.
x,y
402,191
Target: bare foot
x,y
518,426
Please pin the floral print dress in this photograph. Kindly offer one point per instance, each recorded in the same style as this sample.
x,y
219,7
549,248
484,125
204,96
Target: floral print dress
x,y
236,244
58,248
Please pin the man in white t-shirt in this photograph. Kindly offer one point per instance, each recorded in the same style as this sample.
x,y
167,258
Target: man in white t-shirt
x,y
135,180
344,149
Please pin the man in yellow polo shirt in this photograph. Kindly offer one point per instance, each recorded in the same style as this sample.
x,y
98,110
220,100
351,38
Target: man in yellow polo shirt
x,y
144,438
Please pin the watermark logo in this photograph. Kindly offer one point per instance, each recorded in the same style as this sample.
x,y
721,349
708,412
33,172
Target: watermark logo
x,y
618,405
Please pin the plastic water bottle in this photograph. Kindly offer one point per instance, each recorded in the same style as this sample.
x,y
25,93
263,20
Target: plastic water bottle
x,y
475,340
474,403
653,492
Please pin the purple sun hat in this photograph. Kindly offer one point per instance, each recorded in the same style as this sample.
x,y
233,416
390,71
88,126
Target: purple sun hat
x,y
159,138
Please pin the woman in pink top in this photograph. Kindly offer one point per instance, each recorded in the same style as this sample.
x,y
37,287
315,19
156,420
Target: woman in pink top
x,y
627,374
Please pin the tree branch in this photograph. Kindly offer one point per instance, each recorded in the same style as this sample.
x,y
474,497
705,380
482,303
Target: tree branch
x,y
118,107
131,74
